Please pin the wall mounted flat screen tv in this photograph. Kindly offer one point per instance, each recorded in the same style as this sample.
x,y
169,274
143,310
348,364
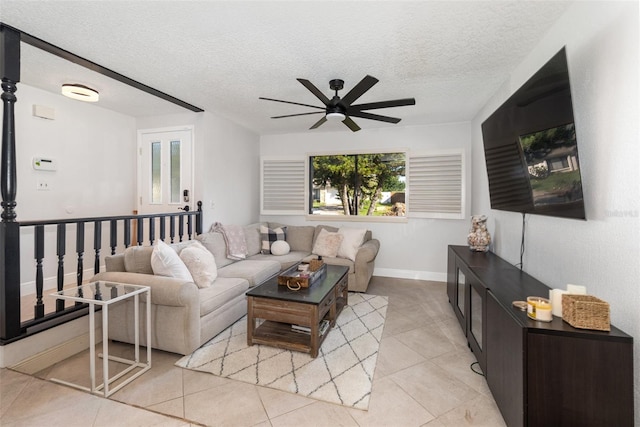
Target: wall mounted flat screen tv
x,y
531,149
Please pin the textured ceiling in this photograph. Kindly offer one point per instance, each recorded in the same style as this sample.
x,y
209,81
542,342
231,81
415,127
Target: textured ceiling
x,y
451,56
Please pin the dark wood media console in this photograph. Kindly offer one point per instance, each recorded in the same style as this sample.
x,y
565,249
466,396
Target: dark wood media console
x,y
540,373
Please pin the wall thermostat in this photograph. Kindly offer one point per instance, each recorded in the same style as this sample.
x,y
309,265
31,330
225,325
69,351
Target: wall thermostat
x,y
43,164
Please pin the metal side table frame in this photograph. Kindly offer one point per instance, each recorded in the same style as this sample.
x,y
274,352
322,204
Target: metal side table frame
x,y
92,295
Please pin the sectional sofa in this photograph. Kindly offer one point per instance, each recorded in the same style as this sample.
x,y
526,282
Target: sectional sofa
x,y
185,315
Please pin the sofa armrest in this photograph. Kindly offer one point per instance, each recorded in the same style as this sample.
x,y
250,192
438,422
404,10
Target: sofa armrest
x,y
368,251
115,262
164,290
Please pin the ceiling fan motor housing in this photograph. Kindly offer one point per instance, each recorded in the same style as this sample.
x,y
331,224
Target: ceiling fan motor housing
x,y
336,84
335,106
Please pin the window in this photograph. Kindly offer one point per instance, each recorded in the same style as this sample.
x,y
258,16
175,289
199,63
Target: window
x,y
358,184
369,185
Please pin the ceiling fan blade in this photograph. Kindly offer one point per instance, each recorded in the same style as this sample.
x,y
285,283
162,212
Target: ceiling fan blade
x,y
383,104
358,90
351,124
294,103
319,122
370,116
299,114
314,90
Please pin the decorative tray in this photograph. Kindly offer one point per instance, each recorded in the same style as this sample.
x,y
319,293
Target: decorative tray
x,y
295,279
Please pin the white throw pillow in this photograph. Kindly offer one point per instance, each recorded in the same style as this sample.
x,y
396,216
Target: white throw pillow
x,y
200,263
280,247
327,244
166,262
351,242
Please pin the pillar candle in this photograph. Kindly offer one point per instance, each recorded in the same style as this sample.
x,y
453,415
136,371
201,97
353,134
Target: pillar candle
x,y
576,289
555,296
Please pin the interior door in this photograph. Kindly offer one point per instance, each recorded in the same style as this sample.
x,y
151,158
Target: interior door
x,y
165,170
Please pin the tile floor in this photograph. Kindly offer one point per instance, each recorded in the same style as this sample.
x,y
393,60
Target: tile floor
x,y
422,378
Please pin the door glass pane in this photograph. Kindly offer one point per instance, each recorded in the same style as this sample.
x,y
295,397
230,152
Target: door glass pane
x,y
175,172
476,316
156,172
460,286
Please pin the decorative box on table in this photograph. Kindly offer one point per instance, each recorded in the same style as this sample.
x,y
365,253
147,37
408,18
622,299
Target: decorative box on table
x,y
296,279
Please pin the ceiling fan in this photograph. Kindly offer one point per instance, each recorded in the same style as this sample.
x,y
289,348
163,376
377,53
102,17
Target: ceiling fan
x,y
342,109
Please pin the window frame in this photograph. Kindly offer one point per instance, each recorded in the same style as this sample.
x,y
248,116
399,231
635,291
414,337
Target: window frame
x,y
305,159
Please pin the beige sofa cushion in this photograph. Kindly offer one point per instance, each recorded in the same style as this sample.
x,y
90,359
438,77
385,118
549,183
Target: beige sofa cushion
x,y
221,292
254,271
114,262
300,237
137,259
215,243
286,261
252,237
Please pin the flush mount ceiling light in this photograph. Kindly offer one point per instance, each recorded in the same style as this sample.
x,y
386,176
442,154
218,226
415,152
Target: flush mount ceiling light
x,y
80,92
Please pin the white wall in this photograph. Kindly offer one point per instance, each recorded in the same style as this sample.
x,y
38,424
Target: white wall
x,y
227,166
416,248
94,149
601,253
95,152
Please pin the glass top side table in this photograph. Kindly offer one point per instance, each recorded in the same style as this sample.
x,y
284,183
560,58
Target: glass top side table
x,y
104,294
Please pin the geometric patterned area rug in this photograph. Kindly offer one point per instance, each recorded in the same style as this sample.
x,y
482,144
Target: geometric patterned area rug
x,y
342,373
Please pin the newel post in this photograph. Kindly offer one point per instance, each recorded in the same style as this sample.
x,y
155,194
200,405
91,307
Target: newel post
x,y
9,228
199,219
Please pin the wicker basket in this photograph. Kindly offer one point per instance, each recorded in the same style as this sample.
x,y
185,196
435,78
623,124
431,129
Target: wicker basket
x,y
586,312
315,264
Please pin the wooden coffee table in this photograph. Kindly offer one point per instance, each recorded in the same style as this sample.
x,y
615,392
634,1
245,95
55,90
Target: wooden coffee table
x,y
272,309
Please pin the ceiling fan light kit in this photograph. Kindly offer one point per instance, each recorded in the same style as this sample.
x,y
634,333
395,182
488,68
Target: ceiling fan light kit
x,y
337,109
335,117
80,92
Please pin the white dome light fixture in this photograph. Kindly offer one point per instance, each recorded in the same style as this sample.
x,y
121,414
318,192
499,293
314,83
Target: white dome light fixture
x,y
335,116
80,92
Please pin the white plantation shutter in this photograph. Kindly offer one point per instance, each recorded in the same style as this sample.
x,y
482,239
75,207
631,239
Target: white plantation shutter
x,y
283,186
436,185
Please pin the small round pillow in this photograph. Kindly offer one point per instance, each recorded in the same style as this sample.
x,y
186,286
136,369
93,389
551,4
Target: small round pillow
x,y
280,247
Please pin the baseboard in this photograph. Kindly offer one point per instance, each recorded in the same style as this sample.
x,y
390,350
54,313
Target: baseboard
x,y
53,355
410,274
